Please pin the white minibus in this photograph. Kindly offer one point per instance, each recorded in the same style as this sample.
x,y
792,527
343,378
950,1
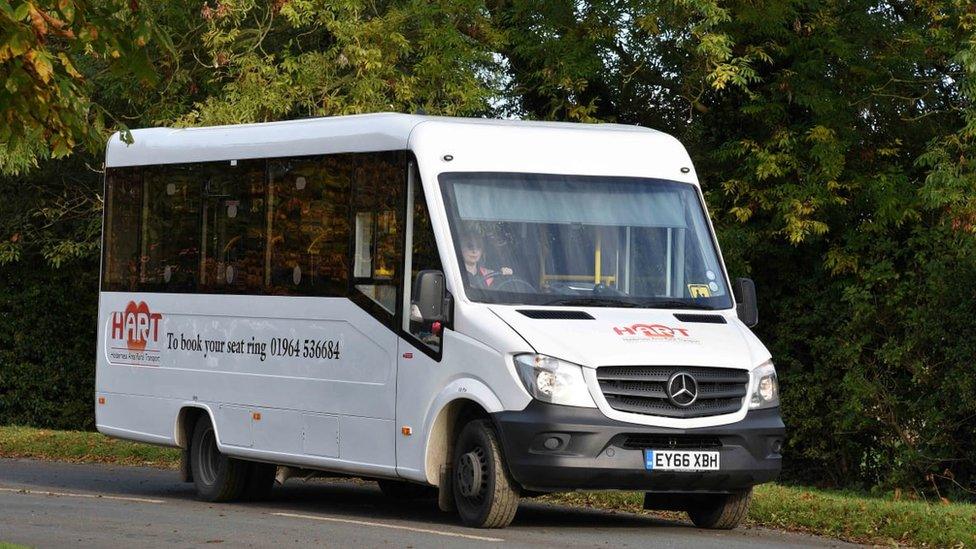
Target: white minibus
x,y
473,310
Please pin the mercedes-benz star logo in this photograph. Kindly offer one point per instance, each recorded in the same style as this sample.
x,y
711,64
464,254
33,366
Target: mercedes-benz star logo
x,y
682,389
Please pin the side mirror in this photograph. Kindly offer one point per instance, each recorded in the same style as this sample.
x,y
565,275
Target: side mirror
x,y
430,296
745,301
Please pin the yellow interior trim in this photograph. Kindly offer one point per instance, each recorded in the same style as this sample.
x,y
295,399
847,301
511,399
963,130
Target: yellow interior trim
x,y
597,258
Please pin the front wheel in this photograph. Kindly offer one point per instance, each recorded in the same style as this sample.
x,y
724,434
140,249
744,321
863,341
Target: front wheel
x,y
721,512
485,495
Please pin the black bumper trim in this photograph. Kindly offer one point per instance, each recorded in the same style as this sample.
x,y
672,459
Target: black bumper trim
x,y
591,452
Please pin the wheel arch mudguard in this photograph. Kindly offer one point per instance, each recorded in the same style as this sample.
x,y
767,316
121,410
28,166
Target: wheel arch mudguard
x,y
456,398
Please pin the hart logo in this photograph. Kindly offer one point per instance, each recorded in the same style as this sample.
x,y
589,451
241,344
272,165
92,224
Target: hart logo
x,y
136,325
656,331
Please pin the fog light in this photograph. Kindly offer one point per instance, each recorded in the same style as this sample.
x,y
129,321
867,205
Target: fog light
x,y
549,442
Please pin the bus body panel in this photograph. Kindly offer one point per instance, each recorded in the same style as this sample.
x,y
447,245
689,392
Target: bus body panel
x,y
470,369
262,365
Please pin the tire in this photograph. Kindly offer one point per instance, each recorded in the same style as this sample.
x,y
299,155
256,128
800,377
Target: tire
x,y
720,512
406,491
485,494
260,481
216,476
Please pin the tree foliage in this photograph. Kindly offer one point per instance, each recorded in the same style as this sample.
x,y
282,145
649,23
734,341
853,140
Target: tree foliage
x,y
835,142
317,58
46,47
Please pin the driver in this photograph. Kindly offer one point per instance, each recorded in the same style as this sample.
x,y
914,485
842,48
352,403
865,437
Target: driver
x,y
472,250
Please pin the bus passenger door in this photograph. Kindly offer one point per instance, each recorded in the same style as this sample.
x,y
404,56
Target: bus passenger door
x,y
420,344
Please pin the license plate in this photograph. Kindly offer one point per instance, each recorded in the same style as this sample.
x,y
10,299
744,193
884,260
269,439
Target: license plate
x,y
678,460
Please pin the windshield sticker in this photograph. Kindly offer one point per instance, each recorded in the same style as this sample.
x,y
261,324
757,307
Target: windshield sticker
x,y
699,290
654,332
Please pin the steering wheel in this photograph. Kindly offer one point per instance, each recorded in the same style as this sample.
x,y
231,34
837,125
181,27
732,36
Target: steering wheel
x,y
604,290
511,283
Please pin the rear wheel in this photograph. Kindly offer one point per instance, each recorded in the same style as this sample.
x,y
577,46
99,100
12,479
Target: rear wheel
x,y
217,476
720,512
485,495
398,489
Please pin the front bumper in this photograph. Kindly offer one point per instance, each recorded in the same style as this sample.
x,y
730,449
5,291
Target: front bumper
x,y
598,453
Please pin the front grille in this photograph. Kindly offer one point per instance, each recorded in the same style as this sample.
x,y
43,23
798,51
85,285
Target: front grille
x,y
671,442
643,390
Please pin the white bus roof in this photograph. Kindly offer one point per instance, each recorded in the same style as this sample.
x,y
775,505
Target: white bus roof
x,y
312,136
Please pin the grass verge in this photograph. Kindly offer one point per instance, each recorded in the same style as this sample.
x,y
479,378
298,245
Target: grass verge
x,y
843,515
82,447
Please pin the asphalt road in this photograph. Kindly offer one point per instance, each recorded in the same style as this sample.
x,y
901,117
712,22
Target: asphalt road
x,y
45,504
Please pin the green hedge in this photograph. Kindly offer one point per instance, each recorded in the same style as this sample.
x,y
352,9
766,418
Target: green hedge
x,y
47,344
877,368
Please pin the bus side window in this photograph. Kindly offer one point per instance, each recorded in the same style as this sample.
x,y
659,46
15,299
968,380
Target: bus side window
x,y
422,256
233,227
123,210
308,227
376,253
169,233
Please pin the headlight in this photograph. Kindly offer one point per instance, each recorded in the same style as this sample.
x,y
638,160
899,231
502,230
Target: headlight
x,y
552,380
765,387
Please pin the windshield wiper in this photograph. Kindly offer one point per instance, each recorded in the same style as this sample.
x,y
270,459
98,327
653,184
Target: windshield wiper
x,y
674,304
593,302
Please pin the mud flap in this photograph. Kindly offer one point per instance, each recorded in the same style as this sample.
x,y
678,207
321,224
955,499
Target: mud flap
x,y
186,474
445,492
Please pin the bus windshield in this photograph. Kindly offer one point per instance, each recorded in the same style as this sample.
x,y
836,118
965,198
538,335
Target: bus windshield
x,y
541,239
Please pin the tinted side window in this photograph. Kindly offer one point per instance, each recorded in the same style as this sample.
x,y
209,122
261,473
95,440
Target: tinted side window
x,y
379,183
170,243
315,226
309,225
123,209
423,256
233,236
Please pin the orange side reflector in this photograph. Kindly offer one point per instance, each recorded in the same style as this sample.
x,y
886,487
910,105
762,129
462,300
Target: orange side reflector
x,y
256,416
406,430
101,400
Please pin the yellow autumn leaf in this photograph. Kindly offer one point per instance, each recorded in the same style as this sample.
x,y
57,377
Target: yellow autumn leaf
x,y
41,61
68,66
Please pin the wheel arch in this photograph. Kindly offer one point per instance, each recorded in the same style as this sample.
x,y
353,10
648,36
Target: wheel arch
x,y
186,419
459,402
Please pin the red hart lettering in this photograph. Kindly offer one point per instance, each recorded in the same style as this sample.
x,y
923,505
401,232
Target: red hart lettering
x,y
137,325
652,330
